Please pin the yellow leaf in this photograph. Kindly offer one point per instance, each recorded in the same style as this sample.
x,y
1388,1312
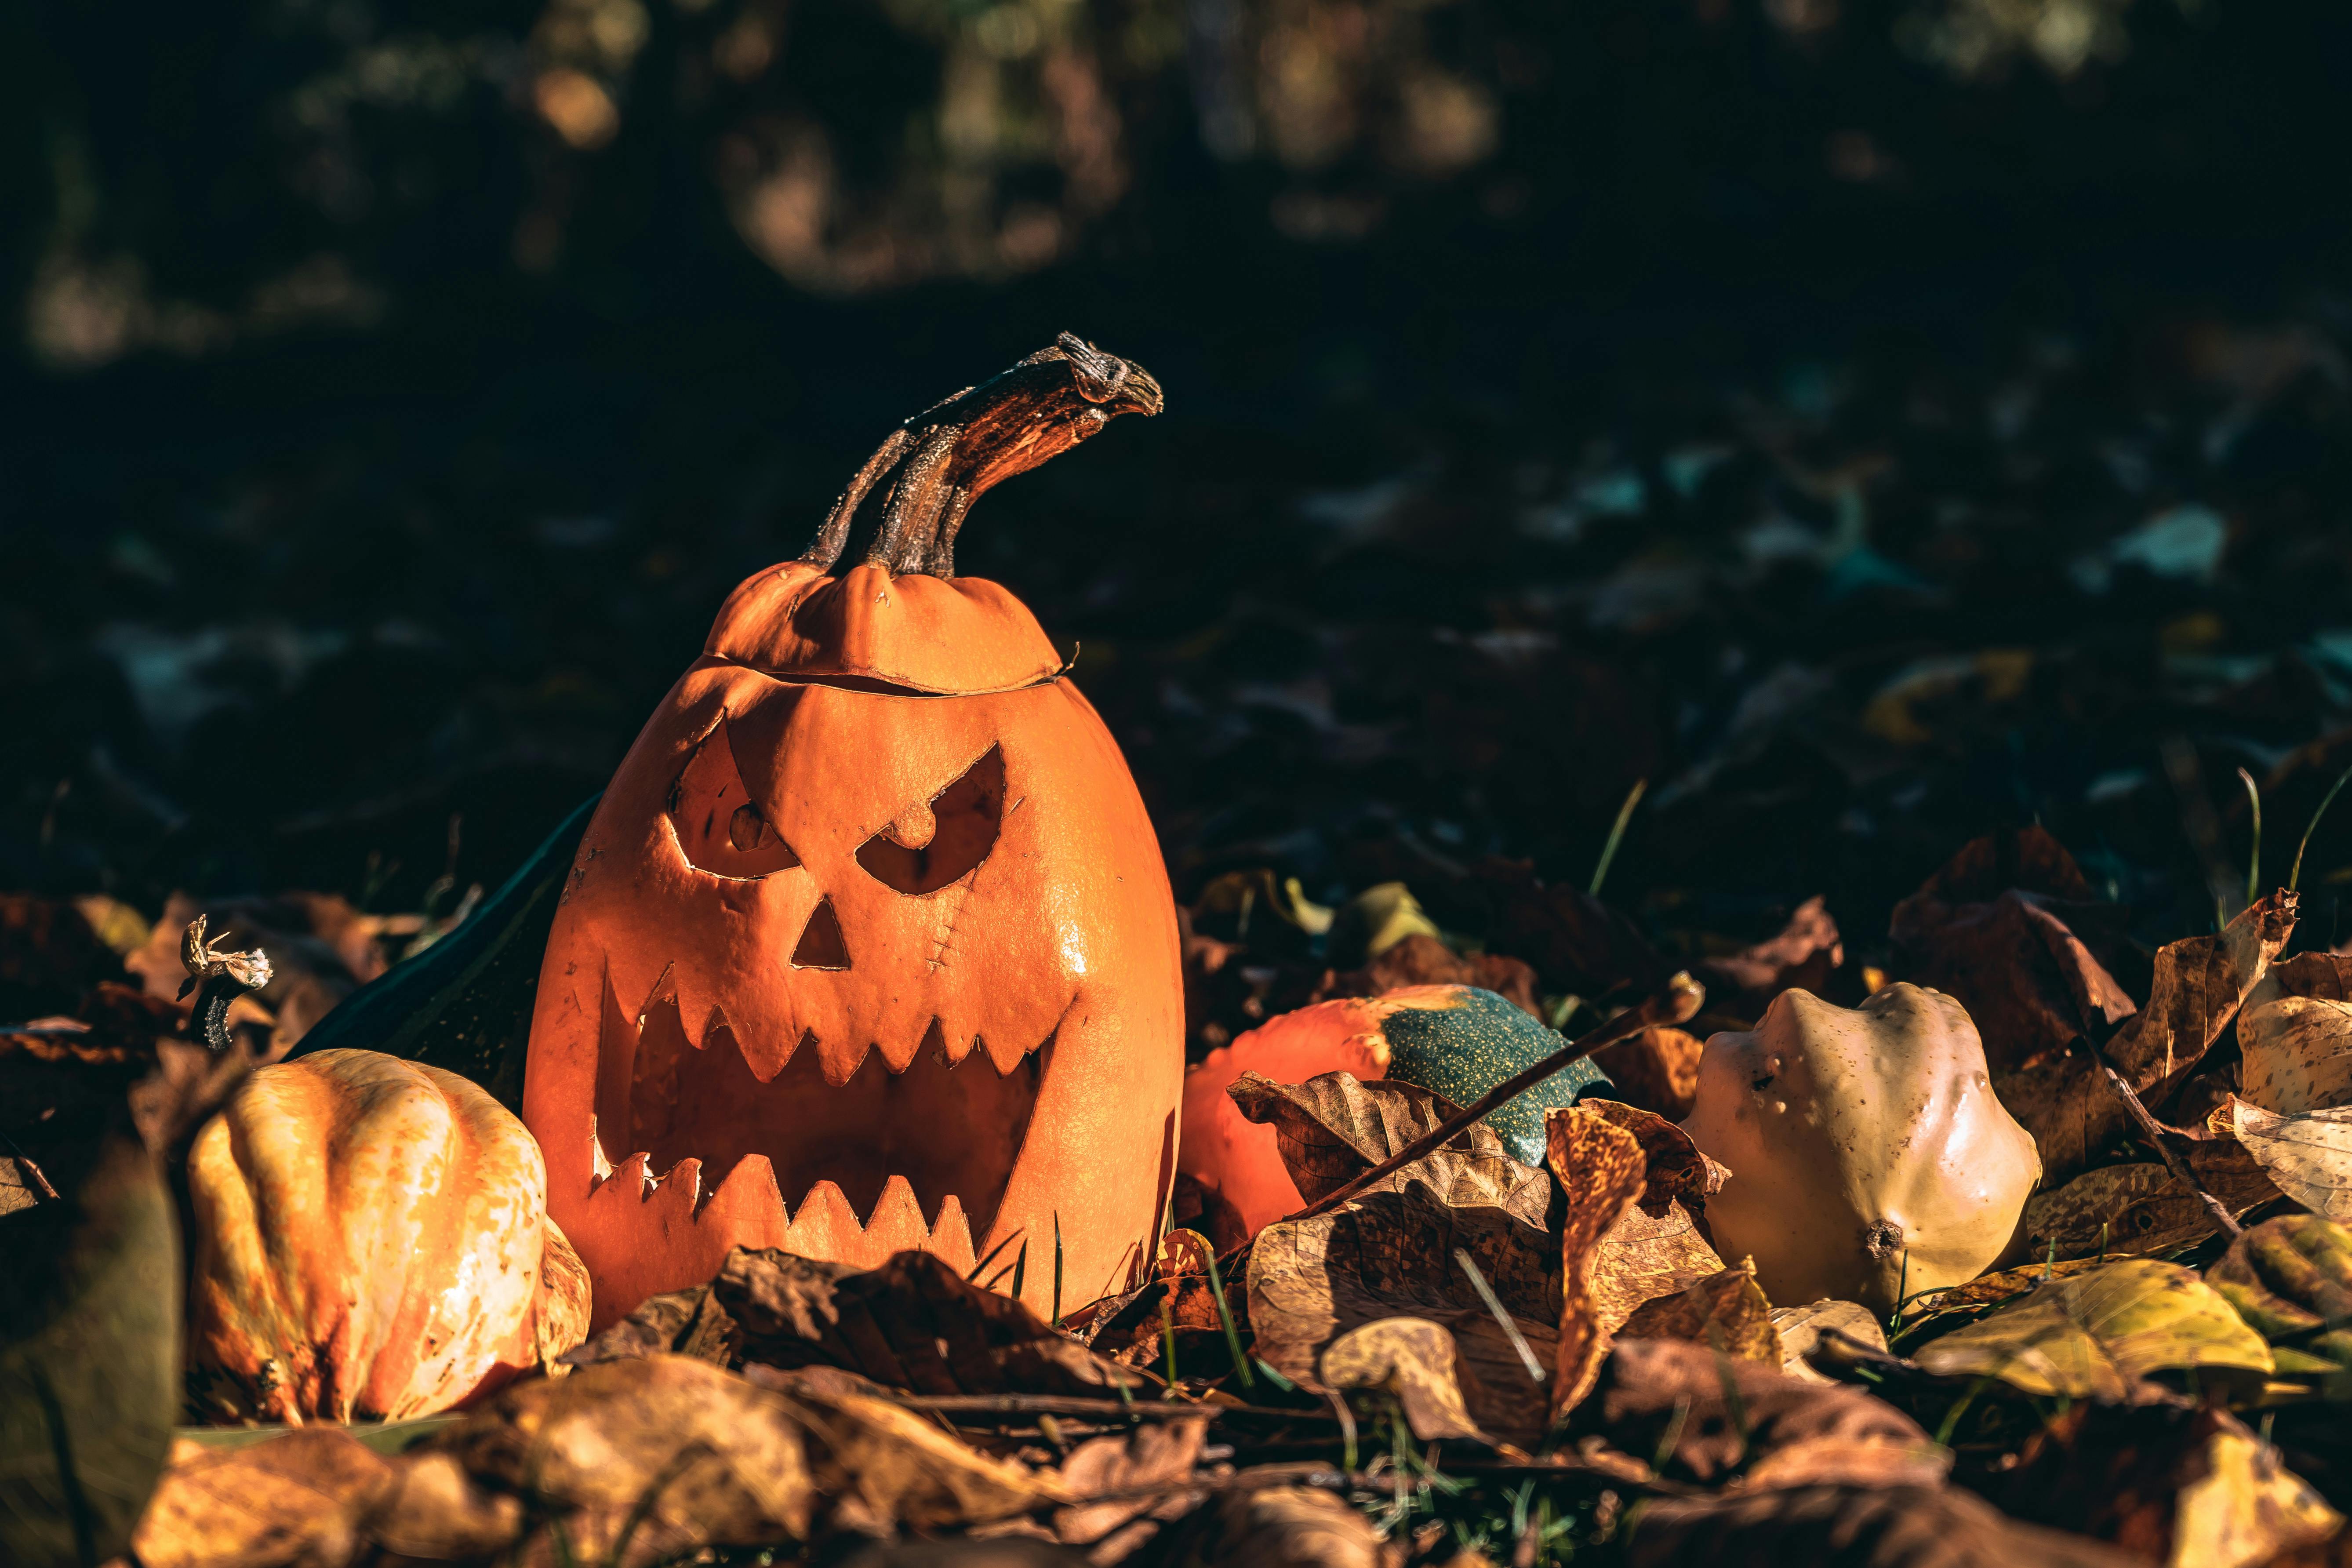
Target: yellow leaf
x,y
2092,1335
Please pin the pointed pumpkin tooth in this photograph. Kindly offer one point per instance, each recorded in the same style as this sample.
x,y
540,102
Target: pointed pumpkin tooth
x,y
747,1206
633,1174
897,1223
952,1236
825,1226
685,1179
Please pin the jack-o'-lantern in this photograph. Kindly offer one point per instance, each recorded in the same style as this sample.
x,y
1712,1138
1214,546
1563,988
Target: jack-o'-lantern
x,y
868,946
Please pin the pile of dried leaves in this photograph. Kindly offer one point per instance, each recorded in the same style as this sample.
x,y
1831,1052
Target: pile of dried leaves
x,y
1469,1359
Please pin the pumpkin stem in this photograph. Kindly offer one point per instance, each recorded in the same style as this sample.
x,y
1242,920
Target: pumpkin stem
x,y
218,977
944,457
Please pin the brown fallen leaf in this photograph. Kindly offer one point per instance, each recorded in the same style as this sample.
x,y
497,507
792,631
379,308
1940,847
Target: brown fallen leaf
x,y
1656,1069
1603,1169
1802,1329
1158,1456
2140,1208
1727,1312
1280,1527
636,1461
295,1501
1851,1527
1412,1360
1658,1247
1576,942
2199,985
2308,1157
1420,959
633,1461
1997,927
1391,1255
689,1322
1335,1126
1707,1417
1803,954
2181,1484
2296,1048
913,1323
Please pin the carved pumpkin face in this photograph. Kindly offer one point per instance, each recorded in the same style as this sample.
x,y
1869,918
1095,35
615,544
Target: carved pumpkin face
x,y
868,947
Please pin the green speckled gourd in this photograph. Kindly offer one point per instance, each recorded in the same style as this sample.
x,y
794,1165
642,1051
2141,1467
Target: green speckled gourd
x,y
1469,1040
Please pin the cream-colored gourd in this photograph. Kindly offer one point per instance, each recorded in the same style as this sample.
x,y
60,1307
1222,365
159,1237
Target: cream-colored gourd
x,y
1858,1138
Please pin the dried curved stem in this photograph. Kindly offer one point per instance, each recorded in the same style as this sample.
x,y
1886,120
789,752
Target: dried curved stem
x,y
943,459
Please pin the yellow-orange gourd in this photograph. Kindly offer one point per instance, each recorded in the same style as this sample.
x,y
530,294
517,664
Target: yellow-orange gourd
x,y
371,1243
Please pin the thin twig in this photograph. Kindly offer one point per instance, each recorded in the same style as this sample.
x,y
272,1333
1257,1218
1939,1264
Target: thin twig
x,y
2154,1132
1495,1305
1676,1002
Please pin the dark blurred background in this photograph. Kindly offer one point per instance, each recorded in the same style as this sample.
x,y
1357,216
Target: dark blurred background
x,y
1868,422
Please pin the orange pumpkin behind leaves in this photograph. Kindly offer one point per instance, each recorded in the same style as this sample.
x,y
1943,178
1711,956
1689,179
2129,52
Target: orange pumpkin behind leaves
x,y
868,945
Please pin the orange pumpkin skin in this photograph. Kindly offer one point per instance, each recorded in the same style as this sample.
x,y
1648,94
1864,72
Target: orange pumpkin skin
x,y
370,1237
1238,1163
868,946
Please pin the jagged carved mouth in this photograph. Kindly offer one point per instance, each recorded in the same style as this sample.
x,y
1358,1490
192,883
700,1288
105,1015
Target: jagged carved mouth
x,y
951,1129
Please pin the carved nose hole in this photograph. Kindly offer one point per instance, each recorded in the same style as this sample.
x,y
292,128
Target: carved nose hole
x,y
821,946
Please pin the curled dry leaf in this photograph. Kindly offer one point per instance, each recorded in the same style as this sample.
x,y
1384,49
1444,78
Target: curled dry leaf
x,y
2297,1049
1803,953
296,1502
1158,1456
1802,1329
2143,1208
1601,1169
1656,1069
2308,1157
2093,1335
1726,1312
1412,1360
2002,927
2200,983
1280,1527
913,1323
1334,1126
1713,1419
2185,1485
1657,1247
640,1460
633,1461
2291,1278
1851,1527
1390,1255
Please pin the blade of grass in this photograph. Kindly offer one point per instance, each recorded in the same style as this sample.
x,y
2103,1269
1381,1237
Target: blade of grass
x,y
2294,875
1168,1343
1225,1316
1058,1268
1616,834
1495,1305
1020,1270
992,1255
2255,854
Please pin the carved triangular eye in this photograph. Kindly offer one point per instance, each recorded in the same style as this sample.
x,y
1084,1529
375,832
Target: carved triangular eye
x,y
722,830
964,820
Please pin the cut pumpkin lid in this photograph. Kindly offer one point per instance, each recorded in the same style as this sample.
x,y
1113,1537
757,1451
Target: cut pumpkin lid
x,y
903,618
941,636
